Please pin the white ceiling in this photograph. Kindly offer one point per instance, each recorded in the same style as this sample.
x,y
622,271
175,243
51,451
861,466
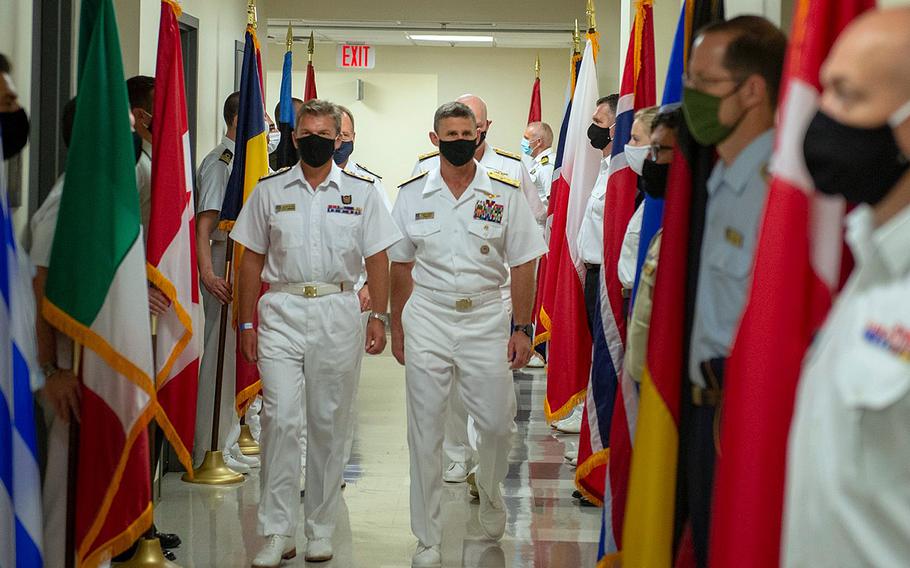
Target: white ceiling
x,y
505,35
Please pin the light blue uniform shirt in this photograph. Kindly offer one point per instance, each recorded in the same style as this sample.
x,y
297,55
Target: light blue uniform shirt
x,y
736,200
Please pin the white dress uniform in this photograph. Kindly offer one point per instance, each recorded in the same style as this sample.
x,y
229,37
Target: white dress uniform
x,y
541,173
501,161
212,179
848,480
590,239
628,256
458,447
144,184
456,327
314,241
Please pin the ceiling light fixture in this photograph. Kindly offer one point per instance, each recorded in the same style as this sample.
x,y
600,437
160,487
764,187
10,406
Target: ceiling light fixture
x,y
451,38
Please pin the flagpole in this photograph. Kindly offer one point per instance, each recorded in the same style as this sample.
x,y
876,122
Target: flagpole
x,y
311,48
72,468
149,553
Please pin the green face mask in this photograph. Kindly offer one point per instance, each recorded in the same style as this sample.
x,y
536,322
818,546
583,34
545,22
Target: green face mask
x,y
701,111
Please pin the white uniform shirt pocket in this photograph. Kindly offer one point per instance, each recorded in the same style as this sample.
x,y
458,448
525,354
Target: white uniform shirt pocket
x,y
426,235
286,230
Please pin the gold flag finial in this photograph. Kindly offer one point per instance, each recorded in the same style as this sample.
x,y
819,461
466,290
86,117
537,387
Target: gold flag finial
x,y
251,13
592,20
537,66
576,38
311,47
289,40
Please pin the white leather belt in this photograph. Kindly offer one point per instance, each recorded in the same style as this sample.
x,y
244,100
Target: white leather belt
x,y
461,302
311,289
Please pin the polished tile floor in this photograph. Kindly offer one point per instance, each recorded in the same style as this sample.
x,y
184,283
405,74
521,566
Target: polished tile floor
x,y
545,526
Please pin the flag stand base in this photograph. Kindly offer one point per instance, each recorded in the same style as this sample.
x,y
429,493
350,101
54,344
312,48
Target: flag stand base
x,y
214,471
247,443
148,555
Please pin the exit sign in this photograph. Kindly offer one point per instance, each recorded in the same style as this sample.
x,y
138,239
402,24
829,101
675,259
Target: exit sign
x,y
356,56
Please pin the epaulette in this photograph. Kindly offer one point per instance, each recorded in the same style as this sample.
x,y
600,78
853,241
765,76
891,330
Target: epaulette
x,y
358,176
415,178
545,161
502,152
278,173
377,176
499,176
428,155
227,156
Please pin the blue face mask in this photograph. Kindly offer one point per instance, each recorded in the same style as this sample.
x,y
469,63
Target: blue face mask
x,y
526,146
343,152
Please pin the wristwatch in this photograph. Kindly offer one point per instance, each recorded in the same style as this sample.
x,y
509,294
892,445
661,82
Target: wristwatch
x,y
381,316
526,329
49,369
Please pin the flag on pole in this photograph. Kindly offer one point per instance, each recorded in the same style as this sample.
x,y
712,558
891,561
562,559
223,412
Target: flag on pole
x,y
309,91
286,152
534,112
21,535
171,247
799,249
542,321
563,305
251,162
96,293
603,444
648,527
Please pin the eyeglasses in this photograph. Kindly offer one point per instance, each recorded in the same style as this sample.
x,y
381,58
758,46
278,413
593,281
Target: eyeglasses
x,y
697,81
656,149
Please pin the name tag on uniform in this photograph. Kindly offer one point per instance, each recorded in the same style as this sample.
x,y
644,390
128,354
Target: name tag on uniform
x,y
286,207
734,237
345,209
488,210
425,216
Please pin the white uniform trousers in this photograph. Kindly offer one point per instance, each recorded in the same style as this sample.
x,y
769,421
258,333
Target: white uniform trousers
x,y
460,442
229,426
445,348
316,338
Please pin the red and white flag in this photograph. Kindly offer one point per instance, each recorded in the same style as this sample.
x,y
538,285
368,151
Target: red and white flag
x,y
563,304
798,270
171,248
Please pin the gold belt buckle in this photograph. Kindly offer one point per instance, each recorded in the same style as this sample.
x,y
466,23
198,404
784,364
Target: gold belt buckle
x,y
464,304
310,292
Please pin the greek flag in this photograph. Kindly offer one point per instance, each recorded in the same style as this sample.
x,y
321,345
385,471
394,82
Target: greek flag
x,y
20,478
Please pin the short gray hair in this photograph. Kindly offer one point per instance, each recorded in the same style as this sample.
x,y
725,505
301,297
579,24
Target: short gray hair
x,y
452,110
347,111
543,131
319,107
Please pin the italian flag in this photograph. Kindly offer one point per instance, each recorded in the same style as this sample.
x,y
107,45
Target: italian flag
x,y
97,294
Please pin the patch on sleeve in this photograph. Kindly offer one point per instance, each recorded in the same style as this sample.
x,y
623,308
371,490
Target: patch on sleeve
x,y
488,210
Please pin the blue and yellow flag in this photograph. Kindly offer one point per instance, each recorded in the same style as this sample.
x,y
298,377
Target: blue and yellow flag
x,y
251,162
251,157
286,119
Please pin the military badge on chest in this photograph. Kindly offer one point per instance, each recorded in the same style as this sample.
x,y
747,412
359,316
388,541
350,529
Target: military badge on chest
x,y
488,210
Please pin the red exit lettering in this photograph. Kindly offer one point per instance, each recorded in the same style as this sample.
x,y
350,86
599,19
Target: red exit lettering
x,y
355,55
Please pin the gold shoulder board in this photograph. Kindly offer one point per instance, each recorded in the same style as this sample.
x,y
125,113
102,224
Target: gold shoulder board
x,y
499,176
415,178
227,156
358,176
423,157
507,154
545,161
278,173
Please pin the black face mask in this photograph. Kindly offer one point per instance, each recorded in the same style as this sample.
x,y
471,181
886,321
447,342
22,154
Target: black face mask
x,y
457,152
481,138
599,136
315,150
14,130
654,179
861,164
343,152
